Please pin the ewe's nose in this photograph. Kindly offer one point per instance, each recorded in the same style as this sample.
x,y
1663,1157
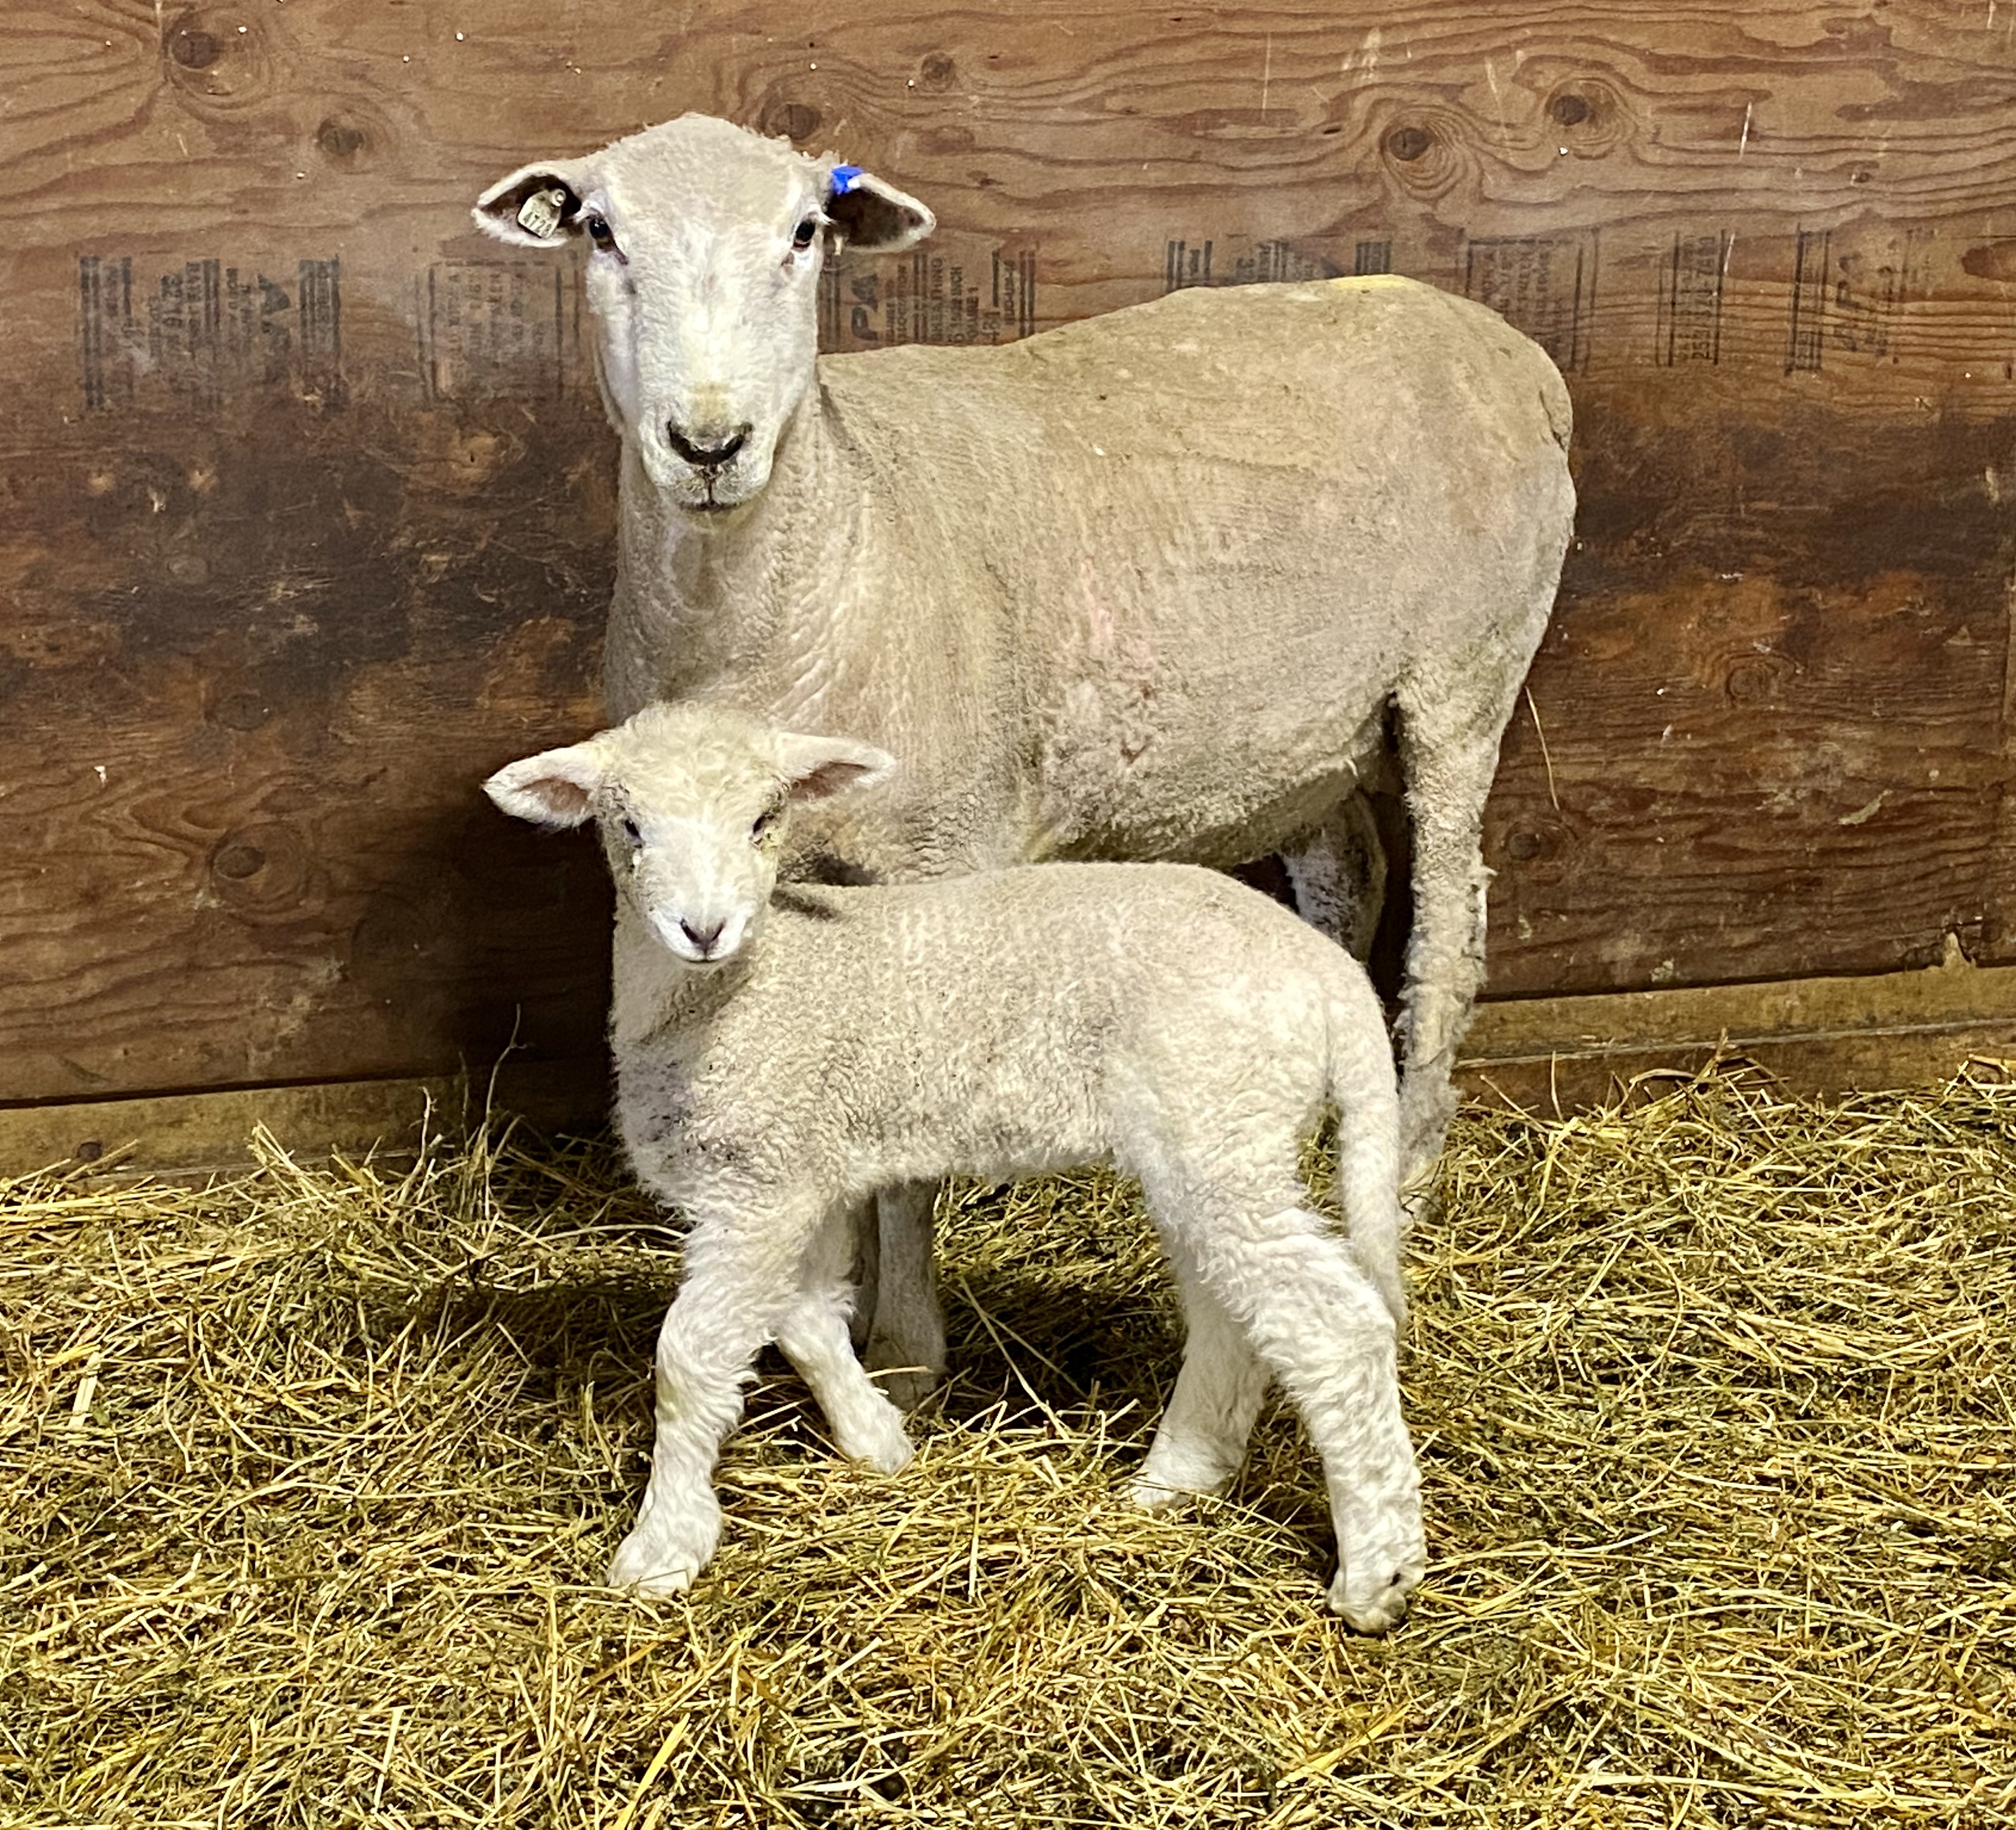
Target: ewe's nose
x,y
706,447
702,937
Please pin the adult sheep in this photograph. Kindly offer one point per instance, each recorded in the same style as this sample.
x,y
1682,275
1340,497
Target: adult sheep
x,y
1173,583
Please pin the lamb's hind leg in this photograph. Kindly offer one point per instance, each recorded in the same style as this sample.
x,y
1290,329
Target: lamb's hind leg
x,y
1448,779
813,1336
1327,1333
1338,871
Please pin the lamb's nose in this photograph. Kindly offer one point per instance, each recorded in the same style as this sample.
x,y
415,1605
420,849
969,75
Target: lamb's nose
x,y
709,447
703,938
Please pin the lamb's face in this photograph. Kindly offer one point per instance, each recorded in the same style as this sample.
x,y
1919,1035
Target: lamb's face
x,y
693,846
705,244
691,801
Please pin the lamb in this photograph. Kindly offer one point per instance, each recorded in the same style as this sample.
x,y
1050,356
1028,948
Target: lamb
x,y
781,1050
1179,582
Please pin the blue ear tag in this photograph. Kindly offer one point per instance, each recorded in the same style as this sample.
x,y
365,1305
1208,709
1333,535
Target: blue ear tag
x,y
845,177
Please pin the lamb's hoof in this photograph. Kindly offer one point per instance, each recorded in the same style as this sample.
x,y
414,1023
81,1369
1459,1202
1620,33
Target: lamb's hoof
x,y
1154,1492
1375,1608
886,1454
1153,1496
653,1585
657,1559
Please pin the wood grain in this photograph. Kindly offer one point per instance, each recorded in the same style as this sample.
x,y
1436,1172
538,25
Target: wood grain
x,y
308,501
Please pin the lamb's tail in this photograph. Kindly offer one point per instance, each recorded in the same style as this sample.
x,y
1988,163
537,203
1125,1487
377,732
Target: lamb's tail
x,y
1365,1090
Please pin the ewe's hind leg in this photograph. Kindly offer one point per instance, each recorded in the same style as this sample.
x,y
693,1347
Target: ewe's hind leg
x,y
741,1279
813,1337
906,1337
1319,1323
1338,873
1220,1389
1446,786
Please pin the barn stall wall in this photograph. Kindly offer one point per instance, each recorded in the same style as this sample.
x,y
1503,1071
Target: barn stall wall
x,y
309,497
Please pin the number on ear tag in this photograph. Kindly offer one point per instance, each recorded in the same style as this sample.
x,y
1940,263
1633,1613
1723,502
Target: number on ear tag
x,y
540,213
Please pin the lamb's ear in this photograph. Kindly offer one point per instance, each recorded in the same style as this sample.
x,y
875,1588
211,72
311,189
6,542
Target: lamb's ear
x,y
557,787
536,207
816,767
871,216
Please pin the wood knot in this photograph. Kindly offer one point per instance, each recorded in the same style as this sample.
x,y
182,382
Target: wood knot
x,y
1432,154
194,49
1757,679
1590,115
261,869
937,71
215,55
793,120
1538,850
342,141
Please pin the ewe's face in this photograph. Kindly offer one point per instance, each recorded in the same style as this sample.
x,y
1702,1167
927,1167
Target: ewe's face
x,y
690,802
705,244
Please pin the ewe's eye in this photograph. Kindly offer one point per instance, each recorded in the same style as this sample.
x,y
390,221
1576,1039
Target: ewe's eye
x,y
765,821
630,831
803,237
599,233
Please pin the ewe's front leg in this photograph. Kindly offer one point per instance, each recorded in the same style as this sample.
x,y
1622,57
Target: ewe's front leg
x,y
1446,788
906,1336
741,1280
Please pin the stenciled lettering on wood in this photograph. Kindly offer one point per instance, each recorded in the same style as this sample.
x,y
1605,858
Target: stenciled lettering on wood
x,y
186,333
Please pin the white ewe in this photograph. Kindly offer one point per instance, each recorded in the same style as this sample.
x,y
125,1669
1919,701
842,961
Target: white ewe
x,y
781,1052
1173,583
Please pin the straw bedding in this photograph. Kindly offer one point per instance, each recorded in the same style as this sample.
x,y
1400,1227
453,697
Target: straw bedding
x,y
308,1480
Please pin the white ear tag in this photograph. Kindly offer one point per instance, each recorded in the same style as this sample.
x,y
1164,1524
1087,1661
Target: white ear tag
x,y
540,213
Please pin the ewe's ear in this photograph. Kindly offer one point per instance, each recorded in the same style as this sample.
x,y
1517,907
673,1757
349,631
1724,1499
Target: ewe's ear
x,y
816,767
871,216
536,207
554,788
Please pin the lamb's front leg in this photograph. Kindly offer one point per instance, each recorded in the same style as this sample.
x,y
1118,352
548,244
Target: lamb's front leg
x,y
741,1281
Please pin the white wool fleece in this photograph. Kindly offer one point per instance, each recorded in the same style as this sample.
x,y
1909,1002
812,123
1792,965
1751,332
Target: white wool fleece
x,y
1161,1018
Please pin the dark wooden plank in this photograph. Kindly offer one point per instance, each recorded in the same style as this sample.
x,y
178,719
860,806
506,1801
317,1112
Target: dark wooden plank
x,y
308,497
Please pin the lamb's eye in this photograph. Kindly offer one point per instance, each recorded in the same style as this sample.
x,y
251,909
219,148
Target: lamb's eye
x,y
598,231
803,237
630,833
765,821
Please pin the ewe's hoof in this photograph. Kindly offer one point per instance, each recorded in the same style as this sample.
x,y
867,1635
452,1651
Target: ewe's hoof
x,y
904,1384
653,1585
1374,1608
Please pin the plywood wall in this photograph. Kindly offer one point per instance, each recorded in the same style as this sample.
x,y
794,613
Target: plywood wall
x,y
307,500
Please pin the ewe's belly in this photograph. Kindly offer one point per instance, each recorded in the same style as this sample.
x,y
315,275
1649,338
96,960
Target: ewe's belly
x,y
1200,779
